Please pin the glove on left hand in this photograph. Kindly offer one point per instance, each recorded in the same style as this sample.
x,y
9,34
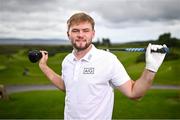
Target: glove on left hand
x,y
153,59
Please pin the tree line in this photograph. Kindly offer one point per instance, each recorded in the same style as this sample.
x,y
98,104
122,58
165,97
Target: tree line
x,y
168,40
164,38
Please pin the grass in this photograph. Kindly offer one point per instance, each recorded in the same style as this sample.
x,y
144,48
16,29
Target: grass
x,y
166,75
159,104
12,67
35,104
50,104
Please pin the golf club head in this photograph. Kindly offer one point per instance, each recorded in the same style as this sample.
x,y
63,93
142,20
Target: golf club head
x,y
34,56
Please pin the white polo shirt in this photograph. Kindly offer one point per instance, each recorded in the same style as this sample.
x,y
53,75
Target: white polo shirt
x,y
89,84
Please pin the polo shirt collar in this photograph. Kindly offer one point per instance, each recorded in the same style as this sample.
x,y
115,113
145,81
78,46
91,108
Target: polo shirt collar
x,y
88,56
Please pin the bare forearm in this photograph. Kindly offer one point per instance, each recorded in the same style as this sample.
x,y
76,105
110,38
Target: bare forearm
x,y
137,89
141,85
53,77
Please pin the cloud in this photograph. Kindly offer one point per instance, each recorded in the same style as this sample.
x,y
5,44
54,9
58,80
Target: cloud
x,y
27,6
127,12
151,10
43,18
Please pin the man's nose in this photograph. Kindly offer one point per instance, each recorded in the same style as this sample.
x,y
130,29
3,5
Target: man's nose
x,y
80,33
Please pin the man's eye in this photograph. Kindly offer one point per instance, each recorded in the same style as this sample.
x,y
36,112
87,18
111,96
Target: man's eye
x,y
75,30
86,30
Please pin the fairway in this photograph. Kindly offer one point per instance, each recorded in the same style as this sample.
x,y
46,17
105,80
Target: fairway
x,y
12,68
50,105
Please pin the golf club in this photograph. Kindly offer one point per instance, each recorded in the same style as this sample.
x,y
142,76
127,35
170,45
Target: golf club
x,y
162,50
36,55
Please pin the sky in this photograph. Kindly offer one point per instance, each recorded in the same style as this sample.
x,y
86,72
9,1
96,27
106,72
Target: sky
x,y
119,20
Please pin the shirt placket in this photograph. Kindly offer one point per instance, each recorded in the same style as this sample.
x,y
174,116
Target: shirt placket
x,y
77,70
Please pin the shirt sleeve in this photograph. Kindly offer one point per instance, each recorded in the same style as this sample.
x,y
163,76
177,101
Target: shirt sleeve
x,y
119,74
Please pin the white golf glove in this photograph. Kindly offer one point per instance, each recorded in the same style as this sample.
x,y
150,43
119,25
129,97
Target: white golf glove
x,y
154,59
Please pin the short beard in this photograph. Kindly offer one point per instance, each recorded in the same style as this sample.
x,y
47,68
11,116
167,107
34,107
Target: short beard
x,y
81,48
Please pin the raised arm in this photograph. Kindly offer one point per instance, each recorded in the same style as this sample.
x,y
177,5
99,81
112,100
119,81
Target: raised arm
x,y
137,89
51,75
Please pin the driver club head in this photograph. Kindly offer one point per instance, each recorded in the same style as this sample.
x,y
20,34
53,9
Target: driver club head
x,y
34,56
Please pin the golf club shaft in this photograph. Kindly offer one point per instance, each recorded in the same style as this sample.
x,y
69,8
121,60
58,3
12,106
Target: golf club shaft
x,y
162,50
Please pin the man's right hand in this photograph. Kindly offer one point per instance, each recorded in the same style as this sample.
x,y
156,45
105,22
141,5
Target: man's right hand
x,y
43,60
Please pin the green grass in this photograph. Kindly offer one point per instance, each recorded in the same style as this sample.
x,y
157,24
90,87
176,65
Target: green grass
x,y
156,104
166,75
12,67
159,104
35,104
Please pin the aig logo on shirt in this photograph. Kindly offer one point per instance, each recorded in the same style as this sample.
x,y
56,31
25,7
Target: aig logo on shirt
x,y
89,70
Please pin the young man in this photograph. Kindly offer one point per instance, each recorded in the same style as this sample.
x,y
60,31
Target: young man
x,y
89,74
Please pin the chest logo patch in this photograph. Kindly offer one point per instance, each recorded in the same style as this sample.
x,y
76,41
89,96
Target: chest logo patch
x,y
89,70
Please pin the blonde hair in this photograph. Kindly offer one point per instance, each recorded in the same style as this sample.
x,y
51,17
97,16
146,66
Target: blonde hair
x,y
78,18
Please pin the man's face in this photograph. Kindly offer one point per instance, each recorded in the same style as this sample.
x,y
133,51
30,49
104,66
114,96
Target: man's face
x,y
81,35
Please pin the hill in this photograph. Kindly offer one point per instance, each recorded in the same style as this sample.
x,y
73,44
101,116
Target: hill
x,y
34,41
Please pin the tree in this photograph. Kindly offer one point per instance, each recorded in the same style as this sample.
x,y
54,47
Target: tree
x,y
166,39
106,42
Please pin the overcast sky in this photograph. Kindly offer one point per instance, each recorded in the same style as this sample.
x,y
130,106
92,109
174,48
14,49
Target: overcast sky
x,y
119,20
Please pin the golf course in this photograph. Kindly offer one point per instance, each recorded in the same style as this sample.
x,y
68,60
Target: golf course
x,y
16,69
